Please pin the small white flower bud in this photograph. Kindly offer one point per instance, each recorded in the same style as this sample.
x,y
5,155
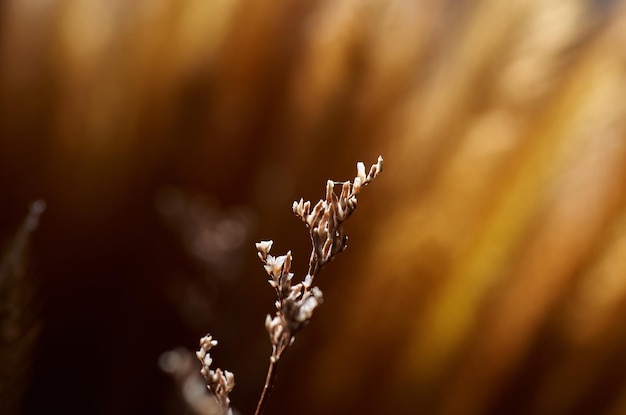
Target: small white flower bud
x,y
317,293
329,190
357,185
308,280
264,248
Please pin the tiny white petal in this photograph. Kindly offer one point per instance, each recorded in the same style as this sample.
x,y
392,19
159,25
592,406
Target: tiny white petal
x,y
329,190
308,280
360,170
264,248
317,293
357,185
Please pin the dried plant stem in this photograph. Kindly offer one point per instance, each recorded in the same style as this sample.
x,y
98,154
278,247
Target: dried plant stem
x,y
314,269
269,384
296,302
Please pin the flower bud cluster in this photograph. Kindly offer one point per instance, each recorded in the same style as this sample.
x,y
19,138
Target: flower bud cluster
x,y
325,218
296,303
219,382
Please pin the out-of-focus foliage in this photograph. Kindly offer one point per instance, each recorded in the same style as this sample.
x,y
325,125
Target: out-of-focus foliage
x,y
18,314
486,272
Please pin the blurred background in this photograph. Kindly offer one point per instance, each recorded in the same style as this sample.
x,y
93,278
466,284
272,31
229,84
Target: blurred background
x,y
486,269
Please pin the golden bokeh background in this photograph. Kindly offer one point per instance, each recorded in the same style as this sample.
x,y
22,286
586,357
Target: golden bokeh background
x,y
486,272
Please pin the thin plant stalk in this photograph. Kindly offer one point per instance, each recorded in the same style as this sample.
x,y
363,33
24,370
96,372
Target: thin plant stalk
x,y
296,302
269,385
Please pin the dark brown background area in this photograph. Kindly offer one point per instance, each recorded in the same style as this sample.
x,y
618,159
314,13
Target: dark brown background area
x,y
486,267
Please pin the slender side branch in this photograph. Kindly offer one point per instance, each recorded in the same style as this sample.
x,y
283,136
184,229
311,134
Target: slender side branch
x,y
219,382
295,303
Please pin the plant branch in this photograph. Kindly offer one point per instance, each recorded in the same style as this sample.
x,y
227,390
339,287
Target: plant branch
x,y
295,303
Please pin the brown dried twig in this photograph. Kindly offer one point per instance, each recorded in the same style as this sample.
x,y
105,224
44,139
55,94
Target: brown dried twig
x,y
295,303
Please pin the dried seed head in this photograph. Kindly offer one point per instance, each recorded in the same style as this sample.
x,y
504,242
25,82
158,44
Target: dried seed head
x,y
356,188
360,171
329,190
219,383
264,248
295,303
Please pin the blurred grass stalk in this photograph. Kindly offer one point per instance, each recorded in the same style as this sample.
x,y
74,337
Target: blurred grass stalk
x,y
19,325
